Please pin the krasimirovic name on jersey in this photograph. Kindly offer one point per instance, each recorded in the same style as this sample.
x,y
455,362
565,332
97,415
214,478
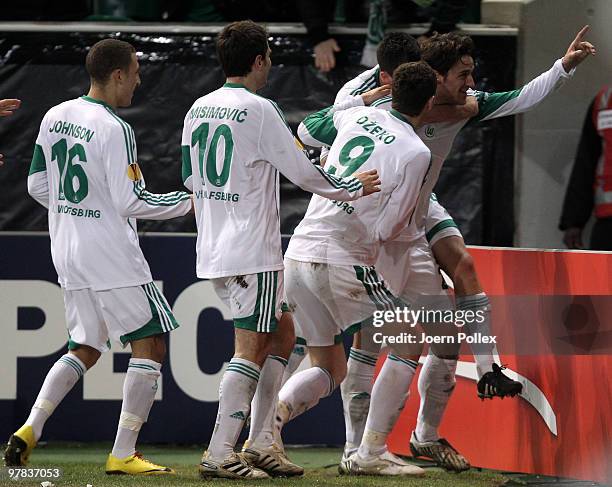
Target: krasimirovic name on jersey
x,y
70,210
375,129
73,130
217,195
402,338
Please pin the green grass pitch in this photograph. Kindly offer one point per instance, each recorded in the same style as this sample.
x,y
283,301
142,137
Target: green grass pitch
x,y
84,464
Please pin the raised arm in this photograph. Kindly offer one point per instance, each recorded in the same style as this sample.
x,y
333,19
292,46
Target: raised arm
x,y
494,105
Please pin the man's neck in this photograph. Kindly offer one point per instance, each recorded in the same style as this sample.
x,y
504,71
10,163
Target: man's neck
x,y
99,93
247,81
416,121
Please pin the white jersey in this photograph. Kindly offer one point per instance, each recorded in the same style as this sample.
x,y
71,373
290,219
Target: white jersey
x,y
234,144
84,171
439,137
364,138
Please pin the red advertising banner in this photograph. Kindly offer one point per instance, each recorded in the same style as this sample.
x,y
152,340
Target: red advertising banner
x,y
562,423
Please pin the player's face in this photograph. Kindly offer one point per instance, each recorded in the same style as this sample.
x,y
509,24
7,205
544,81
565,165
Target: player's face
x,y
453,87
129,82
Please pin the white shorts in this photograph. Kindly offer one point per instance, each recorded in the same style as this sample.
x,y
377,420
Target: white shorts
x,y
255,300
121,315
327,300
439,224
412,273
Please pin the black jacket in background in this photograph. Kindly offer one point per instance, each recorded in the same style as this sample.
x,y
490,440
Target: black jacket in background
x,y
580,195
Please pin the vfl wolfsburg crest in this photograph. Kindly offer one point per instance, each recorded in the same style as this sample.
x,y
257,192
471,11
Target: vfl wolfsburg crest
x,y
429,131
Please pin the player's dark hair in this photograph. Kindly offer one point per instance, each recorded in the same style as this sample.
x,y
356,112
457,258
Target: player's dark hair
x,y
107,55
413,85
442,51
238,44
397,48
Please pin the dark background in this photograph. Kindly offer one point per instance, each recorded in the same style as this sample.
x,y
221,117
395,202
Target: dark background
x,y
44,69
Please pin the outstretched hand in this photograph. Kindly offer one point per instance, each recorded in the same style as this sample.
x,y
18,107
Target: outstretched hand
x,y
8,106
578,50
370,181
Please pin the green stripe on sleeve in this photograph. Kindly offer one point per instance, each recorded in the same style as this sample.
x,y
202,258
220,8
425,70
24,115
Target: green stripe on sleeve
x,y
320,126
440,226
491,102
128,149
38,163
381,101
186,160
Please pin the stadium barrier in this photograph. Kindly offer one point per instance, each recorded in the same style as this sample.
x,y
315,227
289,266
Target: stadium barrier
x,y
561,426
179,64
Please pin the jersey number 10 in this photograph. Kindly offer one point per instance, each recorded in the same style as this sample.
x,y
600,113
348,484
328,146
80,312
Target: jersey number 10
x,y
200,136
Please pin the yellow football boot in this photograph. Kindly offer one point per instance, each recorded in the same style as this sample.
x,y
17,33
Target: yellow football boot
x,y
19,447
134,465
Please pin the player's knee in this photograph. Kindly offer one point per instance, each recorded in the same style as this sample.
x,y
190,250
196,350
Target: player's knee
x,y
151,348
88,355
338,372
159,348
286,334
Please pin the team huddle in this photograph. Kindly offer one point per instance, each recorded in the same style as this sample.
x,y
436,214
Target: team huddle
x,y
374,238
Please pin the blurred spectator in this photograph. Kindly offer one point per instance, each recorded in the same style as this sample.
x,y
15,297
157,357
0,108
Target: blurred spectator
x,y
443,15
590,185
7,107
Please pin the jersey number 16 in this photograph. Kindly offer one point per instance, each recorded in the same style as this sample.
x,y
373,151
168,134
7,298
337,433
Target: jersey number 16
x,y
73,184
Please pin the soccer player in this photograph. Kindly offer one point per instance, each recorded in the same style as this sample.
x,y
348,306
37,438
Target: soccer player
x,y
410,263
234,145
332,283
414,272
85,171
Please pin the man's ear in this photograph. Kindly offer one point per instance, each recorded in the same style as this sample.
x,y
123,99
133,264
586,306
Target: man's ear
x,y
430,103
259,62
439,78
117,75
385,78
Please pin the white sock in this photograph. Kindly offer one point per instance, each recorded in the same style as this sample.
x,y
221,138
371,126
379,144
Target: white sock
x,y
62,377
139,390
483,352
263,407
356,390
295,359
236,392
304,390
436,384
389,395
